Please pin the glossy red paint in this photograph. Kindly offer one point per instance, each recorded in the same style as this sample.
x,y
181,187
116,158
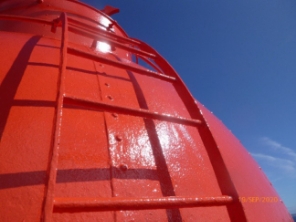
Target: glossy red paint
x,y
87,134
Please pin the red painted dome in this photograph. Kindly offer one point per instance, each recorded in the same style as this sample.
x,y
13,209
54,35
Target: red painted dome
x,y
89,134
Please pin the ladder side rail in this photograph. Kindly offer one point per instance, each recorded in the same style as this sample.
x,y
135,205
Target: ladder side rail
x,y
49,198
224,180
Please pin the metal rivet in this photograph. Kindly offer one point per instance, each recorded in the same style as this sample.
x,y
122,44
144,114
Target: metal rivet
x,y
118,138
115,115
123,167
110,97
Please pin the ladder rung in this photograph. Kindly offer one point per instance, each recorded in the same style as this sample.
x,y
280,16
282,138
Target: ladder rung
x,y
118,203
25,19
128,111
150,63
105,33
120,64
112,42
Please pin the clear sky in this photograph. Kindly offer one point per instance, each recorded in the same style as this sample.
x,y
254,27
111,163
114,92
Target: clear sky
x,y
238,58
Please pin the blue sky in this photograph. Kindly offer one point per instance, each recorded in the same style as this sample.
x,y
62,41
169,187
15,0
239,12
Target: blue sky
x,y
238,58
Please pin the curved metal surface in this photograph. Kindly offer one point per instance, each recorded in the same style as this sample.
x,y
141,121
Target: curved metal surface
x,y
88,134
